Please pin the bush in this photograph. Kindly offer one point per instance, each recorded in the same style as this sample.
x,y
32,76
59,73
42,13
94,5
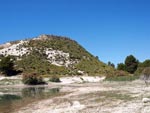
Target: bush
x,y
32,79
146,73
121,73
121,66
54,79
7,66
146,63
141,67
122,78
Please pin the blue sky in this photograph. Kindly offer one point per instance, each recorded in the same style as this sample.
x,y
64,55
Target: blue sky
x,y
110,29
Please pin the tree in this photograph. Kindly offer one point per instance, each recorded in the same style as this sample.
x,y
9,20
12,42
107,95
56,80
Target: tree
x,y
97,57
131,64
121,66
111,64
6,66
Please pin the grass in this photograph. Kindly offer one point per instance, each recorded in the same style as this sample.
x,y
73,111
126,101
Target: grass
x,y
122,78
94,67
116,95
110,95
113,96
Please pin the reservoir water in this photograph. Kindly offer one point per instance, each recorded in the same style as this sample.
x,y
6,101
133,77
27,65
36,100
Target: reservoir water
x,y
12,99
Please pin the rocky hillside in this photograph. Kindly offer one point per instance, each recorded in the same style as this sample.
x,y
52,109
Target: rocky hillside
x,y
53,55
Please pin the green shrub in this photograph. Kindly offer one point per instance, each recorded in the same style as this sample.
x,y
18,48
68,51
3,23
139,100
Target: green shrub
x,y
122,78
146,63
141,67
54,79
7,66
139,71
146,73
121,66
32,79
121,73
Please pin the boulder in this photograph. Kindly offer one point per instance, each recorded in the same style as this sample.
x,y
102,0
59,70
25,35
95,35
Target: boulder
x,y
146,100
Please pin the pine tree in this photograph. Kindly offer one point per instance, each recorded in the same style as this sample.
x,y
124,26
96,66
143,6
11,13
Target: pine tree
x,y
131,64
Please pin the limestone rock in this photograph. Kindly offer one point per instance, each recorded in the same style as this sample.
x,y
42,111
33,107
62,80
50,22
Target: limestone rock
x,y
146,100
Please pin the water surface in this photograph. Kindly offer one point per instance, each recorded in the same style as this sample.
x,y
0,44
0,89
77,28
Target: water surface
x,y
12,99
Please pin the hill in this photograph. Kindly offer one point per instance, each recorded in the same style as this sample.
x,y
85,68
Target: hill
x,y
53,55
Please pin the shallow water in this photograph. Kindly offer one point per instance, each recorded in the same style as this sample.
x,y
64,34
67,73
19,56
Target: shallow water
x,y
12,99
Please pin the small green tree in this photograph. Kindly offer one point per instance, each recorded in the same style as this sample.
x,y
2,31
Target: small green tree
x,y
121,66
97,57
7,66
131,64
111,64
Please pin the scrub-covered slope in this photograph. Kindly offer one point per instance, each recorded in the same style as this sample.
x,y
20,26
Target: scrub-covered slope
x,y
53,55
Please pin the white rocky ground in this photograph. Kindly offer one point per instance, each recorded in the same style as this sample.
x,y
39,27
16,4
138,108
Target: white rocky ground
x,y
13,49
81,79
102,97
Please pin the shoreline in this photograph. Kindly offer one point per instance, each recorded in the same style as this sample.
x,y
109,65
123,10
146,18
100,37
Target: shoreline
x,y
80,96
95,98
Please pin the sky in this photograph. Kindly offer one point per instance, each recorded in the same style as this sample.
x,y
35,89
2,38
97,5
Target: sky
x,y
109,29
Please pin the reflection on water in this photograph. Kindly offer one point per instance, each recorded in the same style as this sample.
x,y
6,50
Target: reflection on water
x,y
6,102
32,92
13,98
9,97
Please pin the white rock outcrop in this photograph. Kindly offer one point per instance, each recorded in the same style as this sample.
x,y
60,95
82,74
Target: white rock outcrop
x,y
146,100
58,58
14,49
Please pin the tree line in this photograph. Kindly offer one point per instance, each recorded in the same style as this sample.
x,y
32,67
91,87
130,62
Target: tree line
x,y
132,65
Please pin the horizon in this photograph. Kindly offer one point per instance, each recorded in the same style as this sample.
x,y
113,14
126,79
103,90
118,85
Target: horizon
x,y
108,29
